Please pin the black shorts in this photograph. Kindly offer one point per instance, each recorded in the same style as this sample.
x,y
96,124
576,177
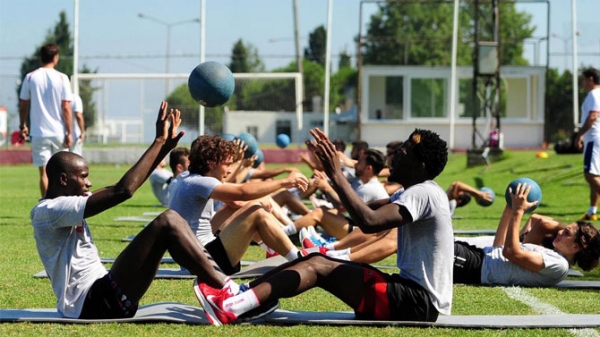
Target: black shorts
x,y
409,301
351,224
390,297
467,263
219,255
105,300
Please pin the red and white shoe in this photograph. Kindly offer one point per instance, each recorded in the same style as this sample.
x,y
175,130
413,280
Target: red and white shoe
x,y
211,300
305,239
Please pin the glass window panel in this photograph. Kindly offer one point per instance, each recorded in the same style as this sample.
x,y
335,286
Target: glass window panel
x,y
428,97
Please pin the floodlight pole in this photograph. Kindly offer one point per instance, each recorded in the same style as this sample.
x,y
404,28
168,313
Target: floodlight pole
x,y
168,25
574,33
201,115
327,69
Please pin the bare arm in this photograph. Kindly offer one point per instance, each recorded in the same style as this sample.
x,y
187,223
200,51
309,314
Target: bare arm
x,y
271,173
512,246
257,189
81,123
369,220
590,120
538,227
23,114
67,116
166,140
458,187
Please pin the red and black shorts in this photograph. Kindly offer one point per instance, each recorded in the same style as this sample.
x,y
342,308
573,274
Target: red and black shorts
x,y
105,300
391,297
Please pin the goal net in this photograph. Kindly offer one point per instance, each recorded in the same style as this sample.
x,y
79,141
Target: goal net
x,y
125,105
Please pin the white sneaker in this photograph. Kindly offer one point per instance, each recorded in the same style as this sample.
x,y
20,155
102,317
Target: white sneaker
x,y
304,238
316,236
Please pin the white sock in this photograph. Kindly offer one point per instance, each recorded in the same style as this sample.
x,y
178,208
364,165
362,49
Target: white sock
x,y
292,255
331,245
232,287
290,229
338,252
265,247
241,303
592,210
345,257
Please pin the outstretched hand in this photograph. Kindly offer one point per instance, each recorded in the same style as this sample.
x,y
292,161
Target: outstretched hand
x,y
518,197
167,124
324,149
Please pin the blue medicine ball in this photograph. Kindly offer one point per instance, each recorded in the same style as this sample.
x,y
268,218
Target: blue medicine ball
x,y
490,192
251,142
534,194
211,84
260,157
228,136
282,140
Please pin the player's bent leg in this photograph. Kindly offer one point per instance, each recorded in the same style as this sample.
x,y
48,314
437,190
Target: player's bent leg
x,y
135,268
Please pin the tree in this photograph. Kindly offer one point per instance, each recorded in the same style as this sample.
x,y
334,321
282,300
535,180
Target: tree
x,y
421,34
61,35
315,51
344,61
245,58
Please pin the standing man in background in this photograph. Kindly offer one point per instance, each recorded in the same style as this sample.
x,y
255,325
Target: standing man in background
x,y
78,125
46,99
589,137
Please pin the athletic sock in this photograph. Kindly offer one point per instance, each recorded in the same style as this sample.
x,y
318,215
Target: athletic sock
x,y
232,287
335,253
331,245
241,303
292,254
592,210
345,257
290,229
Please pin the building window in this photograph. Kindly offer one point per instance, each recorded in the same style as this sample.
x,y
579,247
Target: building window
x,y
427,97
386,97
253,130
283,126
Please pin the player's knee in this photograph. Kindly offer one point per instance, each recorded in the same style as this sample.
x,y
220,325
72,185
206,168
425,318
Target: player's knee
x,y
170,219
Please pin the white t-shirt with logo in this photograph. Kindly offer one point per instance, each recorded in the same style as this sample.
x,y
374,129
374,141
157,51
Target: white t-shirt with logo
x,y
65,246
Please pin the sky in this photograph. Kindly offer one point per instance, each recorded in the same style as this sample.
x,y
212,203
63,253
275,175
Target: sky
x,y
111,32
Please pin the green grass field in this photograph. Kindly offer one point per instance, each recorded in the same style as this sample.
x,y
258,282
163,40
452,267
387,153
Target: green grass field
x,y
565,196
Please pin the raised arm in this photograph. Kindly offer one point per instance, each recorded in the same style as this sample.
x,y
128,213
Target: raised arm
x,y
166,139
369,220
512,246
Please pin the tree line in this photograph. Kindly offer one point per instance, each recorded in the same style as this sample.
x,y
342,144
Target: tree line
x,y
397,34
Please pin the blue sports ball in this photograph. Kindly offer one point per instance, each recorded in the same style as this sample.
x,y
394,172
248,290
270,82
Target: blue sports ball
x,y
211,84
251,142
490,192
260,157
228,136
534,194
282,140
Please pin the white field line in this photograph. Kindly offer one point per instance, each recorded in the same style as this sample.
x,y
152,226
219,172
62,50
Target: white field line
x,y
543,308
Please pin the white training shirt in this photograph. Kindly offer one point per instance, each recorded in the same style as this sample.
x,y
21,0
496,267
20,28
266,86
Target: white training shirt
x,y
497,269
66,248
76,106
191,199
372,190
46,88
158,181
591,103
426,246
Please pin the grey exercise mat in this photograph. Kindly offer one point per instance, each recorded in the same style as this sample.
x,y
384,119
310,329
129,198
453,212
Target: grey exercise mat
x,y
568,284
128,238
283,317
169,312
172,312
133,219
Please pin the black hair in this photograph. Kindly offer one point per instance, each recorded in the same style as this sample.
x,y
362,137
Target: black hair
x,y
588,239
177,156
431,150
47,53
339,144
376,159
463,199
593,73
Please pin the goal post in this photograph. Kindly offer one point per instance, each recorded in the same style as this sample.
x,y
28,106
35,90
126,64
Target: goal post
x,y
133,96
